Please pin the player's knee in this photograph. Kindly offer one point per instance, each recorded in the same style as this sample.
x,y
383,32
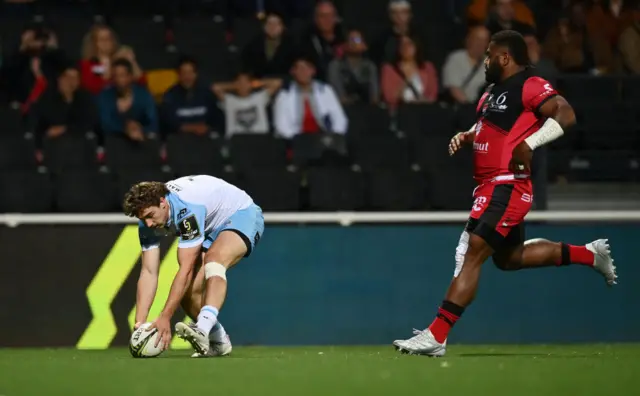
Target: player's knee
x,y
213,269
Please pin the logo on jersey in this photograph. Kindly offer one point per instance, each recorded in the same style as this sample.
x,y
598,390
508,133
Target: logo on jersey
x,y
482,147
182,213
498,105
189,229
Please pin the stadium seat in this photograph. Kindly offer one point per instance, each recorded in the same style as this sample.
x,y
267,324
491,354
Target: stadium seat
x,y
397,190
122,153
247,152
85,191
319,150
189,154
69,152
12,124
377,152
17,153
581,90
605,166
26,192
609,127
425,120
451,183
274,189
433,151
367,120
631,91
465,117
159,81
335,189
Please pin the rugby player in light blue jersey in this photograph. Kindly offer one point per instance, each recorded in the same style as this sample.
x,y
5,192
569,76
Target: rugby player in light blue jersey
x,y
218,224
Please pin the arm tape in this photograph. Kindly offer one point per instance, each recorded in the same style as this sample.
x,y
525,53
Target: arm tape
x,y
549,132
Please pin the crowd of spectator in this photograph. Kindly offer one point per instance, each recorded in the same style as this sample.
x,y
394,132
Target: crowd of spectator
x,y
290,85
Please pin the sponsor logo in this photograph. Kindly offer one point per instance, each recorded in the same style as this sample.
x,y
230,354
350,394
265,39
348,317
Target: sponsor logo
x,y
482,147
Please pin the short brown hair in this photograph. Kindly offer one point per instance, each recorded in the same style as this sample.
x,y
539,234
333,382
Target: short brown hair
x,y
143,195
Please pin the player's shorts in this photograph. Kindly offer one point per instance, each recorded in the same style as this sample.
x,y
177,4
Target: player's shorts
x,y
248,223
497,217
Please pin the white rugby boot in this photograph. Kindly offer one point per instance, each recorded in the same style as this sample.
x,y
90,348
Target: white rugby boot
x,y
602,261
217,348
194,336
423,343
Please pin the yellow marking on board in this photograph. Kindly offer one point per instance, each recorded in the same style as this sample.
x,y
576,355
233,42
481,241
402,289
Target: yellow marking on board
x,y
104,288
168,269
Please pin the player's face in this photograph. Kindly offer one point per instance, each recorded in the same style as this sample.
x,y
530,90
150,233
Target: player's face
x,y
156,216
493,64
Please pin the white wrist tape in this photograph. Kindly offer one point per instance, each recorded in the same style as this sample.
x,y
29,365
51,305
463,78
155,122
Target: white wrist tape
x,y
549,132
215,269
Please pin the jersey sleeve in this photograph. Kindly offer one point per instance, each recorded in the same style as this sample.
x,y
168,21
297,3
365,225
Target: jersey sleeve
x,y
191,227
536,92
148,239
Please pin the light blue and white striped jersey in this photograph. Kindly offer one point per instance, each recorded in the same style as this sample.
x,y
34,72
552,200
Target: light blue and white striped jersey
x,y
198,205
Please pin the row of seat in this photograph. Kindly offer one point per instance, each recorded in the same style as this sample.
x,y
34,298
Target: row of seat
x,y
321,189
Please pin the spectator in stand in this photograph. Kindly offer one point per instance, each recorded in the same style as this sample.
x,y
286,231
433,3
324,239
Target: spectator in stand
x,y
385,47
100,48
629,44
307,105
503,17
189,106
127,108
543,67
325,41
27,72
245,108
65,108
271,53
479,11
463,74
409,78
609,18
354,76
573,49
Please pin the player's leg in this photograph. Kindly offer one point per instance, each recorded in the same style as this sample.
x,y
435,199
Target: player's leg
x,y
538,253
234,241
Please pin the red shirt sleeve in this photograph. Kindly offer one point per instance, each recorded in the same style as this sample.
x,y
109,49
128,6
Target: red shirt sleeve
x,y
536,92
89,80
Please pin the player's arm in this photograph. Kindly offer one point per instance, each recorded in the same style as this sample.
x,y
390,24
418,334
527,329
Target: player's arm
x,y
148,280
559,116
461,138
191,229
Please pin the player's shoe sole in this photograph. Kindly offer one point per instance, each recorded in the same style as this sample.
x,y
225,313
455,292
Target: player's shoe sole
x,y
216,349
603,262
198,340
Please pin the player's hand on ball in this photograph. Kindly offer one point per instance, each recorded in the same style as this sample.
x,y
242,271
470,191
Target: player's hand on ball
x,y
164,331
137,325
521,159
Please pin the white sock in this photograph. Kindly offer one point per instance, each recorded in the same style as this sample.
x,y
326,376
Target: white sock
x,y
218,333
207,318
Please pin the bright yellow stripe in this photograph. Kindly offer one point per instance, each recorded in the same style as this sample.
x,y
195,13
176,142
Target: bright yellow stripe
x,y
104,287
168,269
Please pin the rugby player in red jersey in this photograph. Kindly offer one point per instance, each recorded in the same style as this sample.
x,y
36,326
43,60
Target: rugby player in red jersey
x,y
518,113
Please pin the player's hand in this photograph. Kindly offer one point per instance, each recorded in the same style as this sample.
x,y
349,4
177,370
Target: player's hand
x,y
137,325
521,157
164,331
457,141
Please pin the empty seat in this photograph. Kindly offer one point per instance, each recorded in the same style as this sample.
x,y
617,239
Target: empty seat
x,y
609,127
433,151
69,152
397,190
122,153
604,166
586,89
320,150
451,182
366,120
335,189
425,120
12,124
25,192
376,152
631,91
257,151
17,153
85,191
189,154
274,190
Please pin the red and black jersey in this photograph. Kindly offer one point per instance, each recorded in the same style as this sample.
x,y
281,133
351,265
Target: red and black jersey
x,y
507,114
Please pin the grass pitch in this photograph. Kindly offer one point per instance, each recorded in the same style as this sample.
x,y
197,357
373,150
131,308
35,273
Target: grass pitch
x,y
602,370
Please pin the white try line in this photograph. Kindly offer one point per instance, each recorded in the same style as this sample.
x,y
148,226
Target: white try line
x,y
342,218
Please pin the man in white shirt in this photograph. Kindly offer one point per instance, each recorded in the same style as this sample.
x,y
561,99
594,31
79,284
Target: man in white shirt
x,y
307,105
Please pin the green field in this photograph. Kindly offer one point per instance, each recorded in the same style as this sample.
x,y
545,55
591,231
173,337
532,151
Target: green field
x,y
574,370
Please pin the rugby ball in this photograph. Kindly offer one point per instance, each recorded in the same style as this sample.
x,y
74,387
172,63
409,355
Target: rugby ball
x,y
142,343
